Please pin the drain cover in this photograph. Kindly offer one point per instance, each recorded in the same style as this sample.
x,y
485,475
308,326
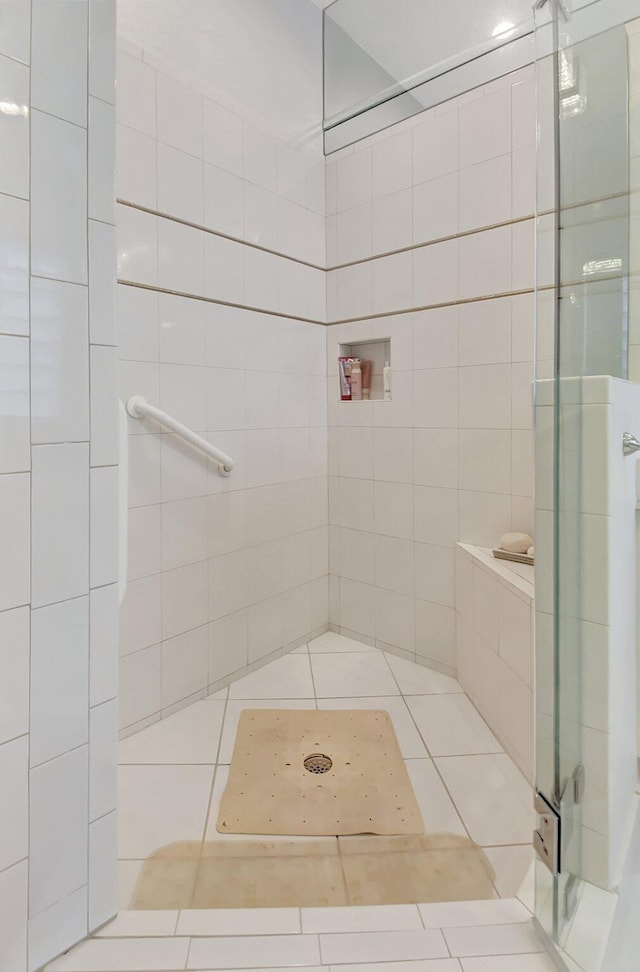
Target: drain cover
x,y
318,763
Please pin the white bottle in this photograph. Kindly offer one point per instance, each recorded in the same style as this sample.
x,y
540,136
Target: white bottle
x,y
356,382
386,382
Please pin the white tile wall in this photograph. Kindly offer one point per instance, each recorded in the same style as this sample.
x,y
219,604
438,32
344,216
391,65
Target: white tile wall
x,y
442,461
223,572
14,155
51,323
494,633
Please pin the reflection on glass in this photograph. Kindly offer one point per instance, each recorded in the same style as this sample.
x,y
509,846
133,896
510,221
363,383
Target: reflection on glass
x,y
378,53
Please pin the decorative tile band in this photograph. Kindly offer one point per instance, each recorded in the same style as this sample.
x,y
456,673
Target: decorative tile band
x,y
214,300
212,232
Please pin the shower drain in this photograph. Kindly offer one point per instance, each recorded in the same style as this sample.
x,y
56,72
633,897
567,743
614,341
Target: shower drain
x,y
318,763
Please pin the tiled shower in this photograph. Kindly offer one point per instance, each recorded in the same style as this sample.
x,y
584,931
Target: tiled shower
x,y
160,236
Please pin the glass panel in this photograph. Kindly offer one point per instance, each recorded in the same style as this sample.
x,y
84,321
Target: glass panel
x,y
379,56
582,297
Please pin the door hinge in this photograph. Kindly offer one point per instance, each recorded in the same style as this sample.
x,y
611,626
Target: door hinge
x,y
578,783
546,839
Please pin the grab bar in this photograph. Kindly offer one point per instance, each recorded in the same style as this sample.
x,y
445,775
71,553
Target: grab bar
x,y
138,407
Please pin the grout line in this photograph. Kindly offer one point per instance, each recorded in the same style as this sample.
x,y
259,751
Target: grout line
x,y
448,303
219,234
440,239
440,777
313,681
214,300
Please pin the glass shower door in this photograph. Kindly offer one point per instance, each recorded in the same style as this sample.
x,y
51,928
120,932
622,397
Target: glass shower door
x,y
582,333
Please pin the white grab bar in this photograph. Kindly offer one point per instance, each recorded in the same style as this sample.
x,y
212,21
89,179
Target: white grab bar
x,y
138,407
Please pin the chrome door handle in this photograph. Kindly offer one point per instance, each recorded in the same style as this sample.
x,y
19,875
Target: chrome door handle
x,y
629,444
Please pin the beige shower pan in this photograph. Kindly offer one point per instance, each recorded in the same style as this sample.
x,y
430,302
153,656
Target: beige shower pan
x,y
310,773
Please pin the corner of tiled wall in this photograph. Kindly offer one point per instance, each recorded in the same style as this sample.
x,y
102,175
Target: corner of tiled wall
x,y
58,475
223,233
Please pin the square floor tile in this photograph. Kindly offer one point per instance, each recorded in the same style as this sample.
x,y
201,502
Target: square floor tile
x,y
360,919
416,679
239,921
492,797
285,678
493,940
236,706
140,924
438,812
505,963
330,641
369,946
352,674
411,745
253,952
159,805
451,726
143,954
190,736
457,914
428,965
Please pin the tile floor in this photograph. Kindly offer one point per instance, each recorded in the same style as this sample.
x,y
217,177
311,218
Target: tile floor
x,y
480,936
172,776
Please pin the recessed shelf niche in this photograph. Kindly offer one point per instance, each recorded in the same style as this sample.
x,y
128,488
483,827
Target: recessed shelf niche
x,y
378,353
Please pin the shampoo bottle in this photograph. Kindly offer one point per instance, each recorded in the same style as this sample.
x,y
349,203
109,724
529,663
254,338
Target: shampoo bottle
x,y
356,381
386,382
366,380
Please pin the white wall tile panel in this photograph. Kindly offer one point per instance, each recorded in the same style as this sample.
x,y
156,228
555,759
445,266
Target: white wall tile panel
x,y
15,526
102,48
179,115
59,362
15,453
103,759
103,870
102,162
58,826
57,928
102,282
14,811
47,539
13,917
103,564
16,28
14,129
14,673
14,266
135,94
60,523
59,679
58,198
59,59
103,651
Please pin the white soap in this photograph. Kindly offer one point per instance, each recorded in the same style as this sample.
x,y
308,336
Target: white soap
x,y
515,542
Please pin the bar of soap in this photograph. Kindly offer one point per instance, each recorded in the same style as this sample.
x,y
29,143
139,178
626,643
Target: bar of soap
x,y
515,542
